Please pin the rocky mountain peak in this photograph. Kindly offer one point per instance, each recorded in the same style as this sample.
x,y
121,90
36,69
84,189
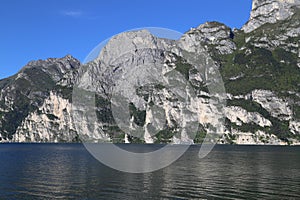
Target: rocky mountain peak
x,y
129,42
269,11
259,66
66,60
55,67
209,28
214,35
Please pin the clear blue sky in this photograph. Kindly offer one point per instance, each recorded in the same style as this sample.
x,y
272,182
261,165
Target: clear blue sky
x,y
39,29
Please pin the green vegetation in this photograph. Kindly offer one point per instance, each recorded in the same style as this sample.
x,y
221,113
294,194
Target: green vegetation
x,y
6,81
39,80
165,135
296,110
200,135
231,138
76,139
65,92
135,140
139,115
51,117
115,133
14,118
103,111
183,67
251,68
118,138
28,93
159,86
249,105
246,69
279,128
146,91
260,68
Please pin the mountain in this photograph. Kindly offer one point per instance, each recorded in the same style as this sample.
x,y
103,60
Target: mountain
x,y
51,100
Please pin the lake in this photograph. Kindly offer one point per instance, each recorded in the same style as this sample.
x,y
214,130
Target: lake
x,y
68,171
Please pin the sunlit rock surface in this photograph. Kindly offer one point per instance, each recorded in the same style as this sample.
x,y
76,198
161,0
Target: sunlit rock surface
x,y
259,65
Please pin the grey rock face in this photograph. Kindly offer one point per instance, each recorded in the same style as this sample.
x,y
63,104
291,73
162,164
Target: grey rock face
x,y
258,65
52,122
275,106
24,92
269,11
139,57
128,42
284,34
214,35
239,116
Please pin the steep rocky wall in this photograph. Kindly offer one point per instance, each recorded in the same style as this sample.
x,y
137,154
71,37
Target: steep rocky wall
x,y
259,65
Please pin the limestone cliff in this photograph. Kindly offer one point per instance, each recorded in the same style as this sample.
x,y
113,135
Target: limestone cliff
x,y
259,66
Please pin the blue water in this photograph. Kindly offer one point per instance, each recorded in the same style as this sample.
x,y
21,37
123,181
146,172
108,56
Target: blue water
x,y
68,171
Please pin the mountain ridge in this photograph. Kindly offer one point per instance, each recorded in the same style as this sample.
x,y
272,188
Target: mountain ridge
x,y
259,64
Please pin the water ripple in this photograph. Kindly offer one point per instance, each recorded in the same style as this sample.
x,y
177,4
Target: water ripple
x,y
67,171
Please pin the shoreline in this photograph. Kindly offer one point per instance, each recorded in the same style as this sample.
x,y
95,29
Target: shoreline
x,y
151,144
